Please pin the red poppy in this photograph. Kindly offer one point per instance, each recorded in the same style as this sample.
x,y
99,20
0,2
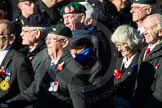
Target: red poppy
x,y
60,66
157,66
2,71
117,73
72,9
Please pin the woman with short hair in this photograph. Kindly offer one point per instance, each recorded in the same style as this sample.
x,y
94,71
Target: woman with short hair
x,y
127,42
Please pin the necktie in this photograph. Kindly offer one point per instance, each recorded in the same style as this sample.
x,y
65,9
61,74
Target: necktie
x,y
147,52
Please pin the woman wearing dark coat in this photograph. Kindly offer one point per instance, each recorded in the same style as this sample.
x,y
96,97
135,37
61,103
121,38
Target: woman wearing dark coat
x,y
127,42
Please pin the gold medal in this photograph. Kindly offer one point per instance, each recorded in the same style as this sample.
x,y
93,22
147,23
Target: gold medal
x,y
4,85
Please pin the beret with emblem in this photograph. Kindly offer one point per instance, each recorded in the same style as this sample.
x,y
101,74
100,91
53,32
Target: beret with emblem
x,y
145,1
26,0
34,21
72,7
60,29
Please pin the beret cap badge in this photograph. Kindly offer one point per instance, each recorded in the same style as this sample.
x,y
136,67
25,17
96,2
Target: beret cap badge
x,y
54,29
72,7
69,10
66,9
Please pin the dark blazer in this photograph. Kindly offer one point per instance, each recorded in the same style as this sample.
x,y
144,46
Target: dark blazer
x,y
28,97
64,96
125,86
21,74
76,88
38,56
40,61
148,93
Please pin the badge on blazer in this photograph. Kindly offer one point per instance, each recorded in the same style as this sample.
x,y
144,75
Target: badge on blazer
x,y
54,86
4,85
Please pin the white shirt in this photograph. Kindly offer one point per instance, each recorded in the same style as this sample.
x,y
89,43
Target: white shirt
x,y
141,30
127,62
2,55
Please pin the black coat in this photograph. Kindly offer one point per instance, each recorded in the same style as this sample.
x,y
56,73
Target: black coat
x,y
21,74
76,88
148,93
50,15
125,86
64,96
40,61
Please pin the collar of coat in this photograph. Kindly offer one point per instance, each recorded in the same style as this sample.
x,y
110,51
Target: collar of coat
x,y
155,53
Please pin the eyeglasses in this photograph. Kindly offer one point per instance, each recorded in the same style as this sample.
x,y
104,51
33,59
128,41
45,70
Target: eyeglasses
x,y
54,39
27,31
119,45
4,36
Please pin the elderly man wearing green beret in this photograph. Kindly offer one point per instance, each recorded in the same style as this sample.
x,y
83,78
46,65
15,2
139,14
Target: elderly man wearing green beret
x,y
74,16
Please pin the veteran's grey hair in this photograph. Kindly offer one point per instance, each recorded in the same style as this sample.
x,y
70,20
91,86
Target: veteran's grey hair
x,y
156,19
126,34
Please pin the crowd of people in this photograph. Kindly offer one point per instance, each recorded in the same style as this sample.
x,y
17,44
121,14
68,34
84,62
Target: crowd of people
x,y
81,54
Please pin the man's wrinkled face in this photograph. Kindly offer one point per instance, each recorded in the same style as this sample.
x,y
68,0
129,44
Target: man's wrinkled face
x,y
28,36
150,31
139,11
72,20
54,43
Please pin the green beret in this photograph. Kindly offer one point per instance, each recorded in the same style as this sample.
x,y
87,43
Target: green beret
x,y
60,29
26,0
72,7
145,1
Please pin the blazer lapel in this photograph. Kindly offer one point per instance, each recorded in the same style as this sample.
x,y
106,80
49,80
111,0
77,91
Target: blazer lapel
x,y
8,58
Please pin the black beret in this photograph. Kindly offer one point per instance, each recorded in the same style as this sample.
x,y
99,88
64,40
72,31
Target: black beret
x,y
60,29
145,1
34,21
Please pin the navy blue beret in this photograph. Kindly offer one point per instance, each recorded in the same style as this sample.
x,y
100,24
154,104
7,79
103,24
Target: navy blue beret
x,y
34,21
